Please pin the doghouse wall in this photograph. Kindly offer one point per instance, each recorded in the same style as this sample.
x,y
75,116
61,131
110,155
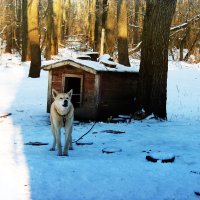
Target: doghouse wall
x,y
117,92
88,107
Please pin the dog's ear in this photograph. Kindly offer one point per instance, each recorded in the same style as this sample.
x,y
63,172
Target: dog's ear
x,y
70,93
54,93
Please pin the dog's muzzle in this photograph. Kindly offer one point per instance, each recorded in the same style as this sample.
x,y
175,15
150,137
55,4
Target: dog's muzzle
x,y
65,104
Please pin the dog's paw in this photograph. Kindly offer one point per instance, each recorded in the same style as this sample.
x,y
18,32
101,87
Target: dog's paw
x,y
65,154
52,149
71,148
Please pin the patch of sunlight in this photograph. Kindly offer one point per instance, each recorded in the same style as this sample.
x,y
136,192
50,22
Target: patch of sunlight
x,y
10,79
14,173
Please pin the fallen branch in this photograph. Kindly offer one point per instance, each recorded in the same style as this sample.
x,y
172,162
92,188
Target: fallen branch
x,y
6,115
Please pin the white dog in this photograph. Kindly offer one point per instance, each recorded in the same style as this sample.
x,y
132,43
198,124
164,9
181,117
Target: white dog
x,y
62,115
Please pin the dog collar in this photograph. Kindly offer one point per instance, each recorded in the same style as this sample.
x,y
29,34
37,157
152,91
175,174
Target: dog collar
x,y
64,120
63,116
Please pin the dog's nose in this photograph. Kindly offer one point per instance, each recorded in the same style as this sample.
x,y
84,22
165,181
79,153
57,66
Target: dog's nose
x,y
65,103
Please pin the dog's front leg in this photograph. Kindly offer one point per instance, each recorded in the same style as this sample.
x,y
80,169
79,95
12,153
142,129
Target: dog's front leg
x,y
70,139
58,142
54,138
67,140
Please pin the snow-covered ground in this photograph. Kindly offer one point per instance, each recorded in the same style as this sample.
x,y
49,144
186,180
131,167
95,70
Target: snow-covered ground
x,y
34,172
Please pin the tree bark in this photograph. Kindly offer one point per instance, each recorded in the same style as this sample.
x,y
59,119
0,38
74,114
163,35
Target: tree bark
x,y
9,28
33,30
122,36
49,33
110,31
136,23
18,11
26,52
152,85
103,31
98,25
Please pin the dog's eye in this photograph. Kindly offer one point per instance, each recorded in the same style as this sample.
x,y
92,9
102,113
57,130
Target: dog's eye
x,y
61,98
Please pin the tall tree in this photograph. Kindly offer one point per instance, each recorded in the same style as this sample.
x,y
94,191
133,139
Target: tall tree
x,y
58,13
91,22
54,27
98,25
108,39
122,36
9,27
18,16
110,24
49,33
104,15
152,86
68,16
33,30
136,23
26,52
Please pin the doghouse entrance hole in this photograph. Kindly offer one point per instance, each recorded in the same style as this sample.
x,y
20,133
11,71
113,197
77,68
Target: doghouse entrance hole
x,y
75,84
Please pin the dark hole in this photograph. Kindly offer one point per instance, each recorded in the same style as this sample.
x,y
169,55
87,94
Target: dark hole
x,y
75,84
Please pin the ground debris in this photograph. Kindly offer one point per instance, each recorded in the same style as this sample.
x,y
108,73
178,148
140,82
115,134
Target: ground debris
x,y
113,131
36,143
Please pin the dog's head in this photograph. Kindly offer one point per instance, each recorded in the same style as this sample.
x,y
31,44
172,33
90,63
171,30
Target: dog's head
x,y
62,100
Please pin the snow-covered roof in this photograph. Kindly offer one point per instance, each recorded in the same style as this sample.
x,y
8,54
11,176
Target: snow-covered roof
x,y
89,66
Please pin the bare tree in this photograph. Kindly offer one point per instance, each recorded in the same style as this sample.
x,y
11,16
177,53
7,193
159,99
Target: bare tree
x,y
9,16
26,53
152,86
98,25
122,36
33,30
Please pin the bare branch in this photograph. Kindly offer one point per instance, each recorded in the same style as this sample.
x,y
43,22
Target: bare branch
x,y
184,25
3,29
137,48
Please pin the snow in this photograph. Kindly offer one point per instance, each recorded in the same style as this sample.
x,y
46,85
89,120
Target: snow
x,y
97,66
34,172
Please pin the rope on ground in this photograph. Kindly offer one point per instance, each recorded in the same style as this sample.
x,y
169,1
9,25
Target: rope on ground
x,y
85,133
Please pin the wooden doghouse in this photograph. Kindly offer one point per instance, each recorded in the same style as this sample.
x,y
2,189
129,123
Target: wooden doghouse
x,y
99,91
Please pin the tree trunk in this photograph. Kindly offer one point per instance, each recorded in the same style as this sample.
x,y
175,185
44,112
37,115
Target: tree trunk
x,y
98,25
18,23
59,18
152,85
91,23
9,30
104,14
136,23
49,33
26,53
122,26
68,20
110,24
55,32
34,38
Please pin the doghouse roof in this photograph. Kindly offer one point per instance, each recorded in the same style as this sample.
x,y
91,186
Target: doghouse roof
x,y
89,66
